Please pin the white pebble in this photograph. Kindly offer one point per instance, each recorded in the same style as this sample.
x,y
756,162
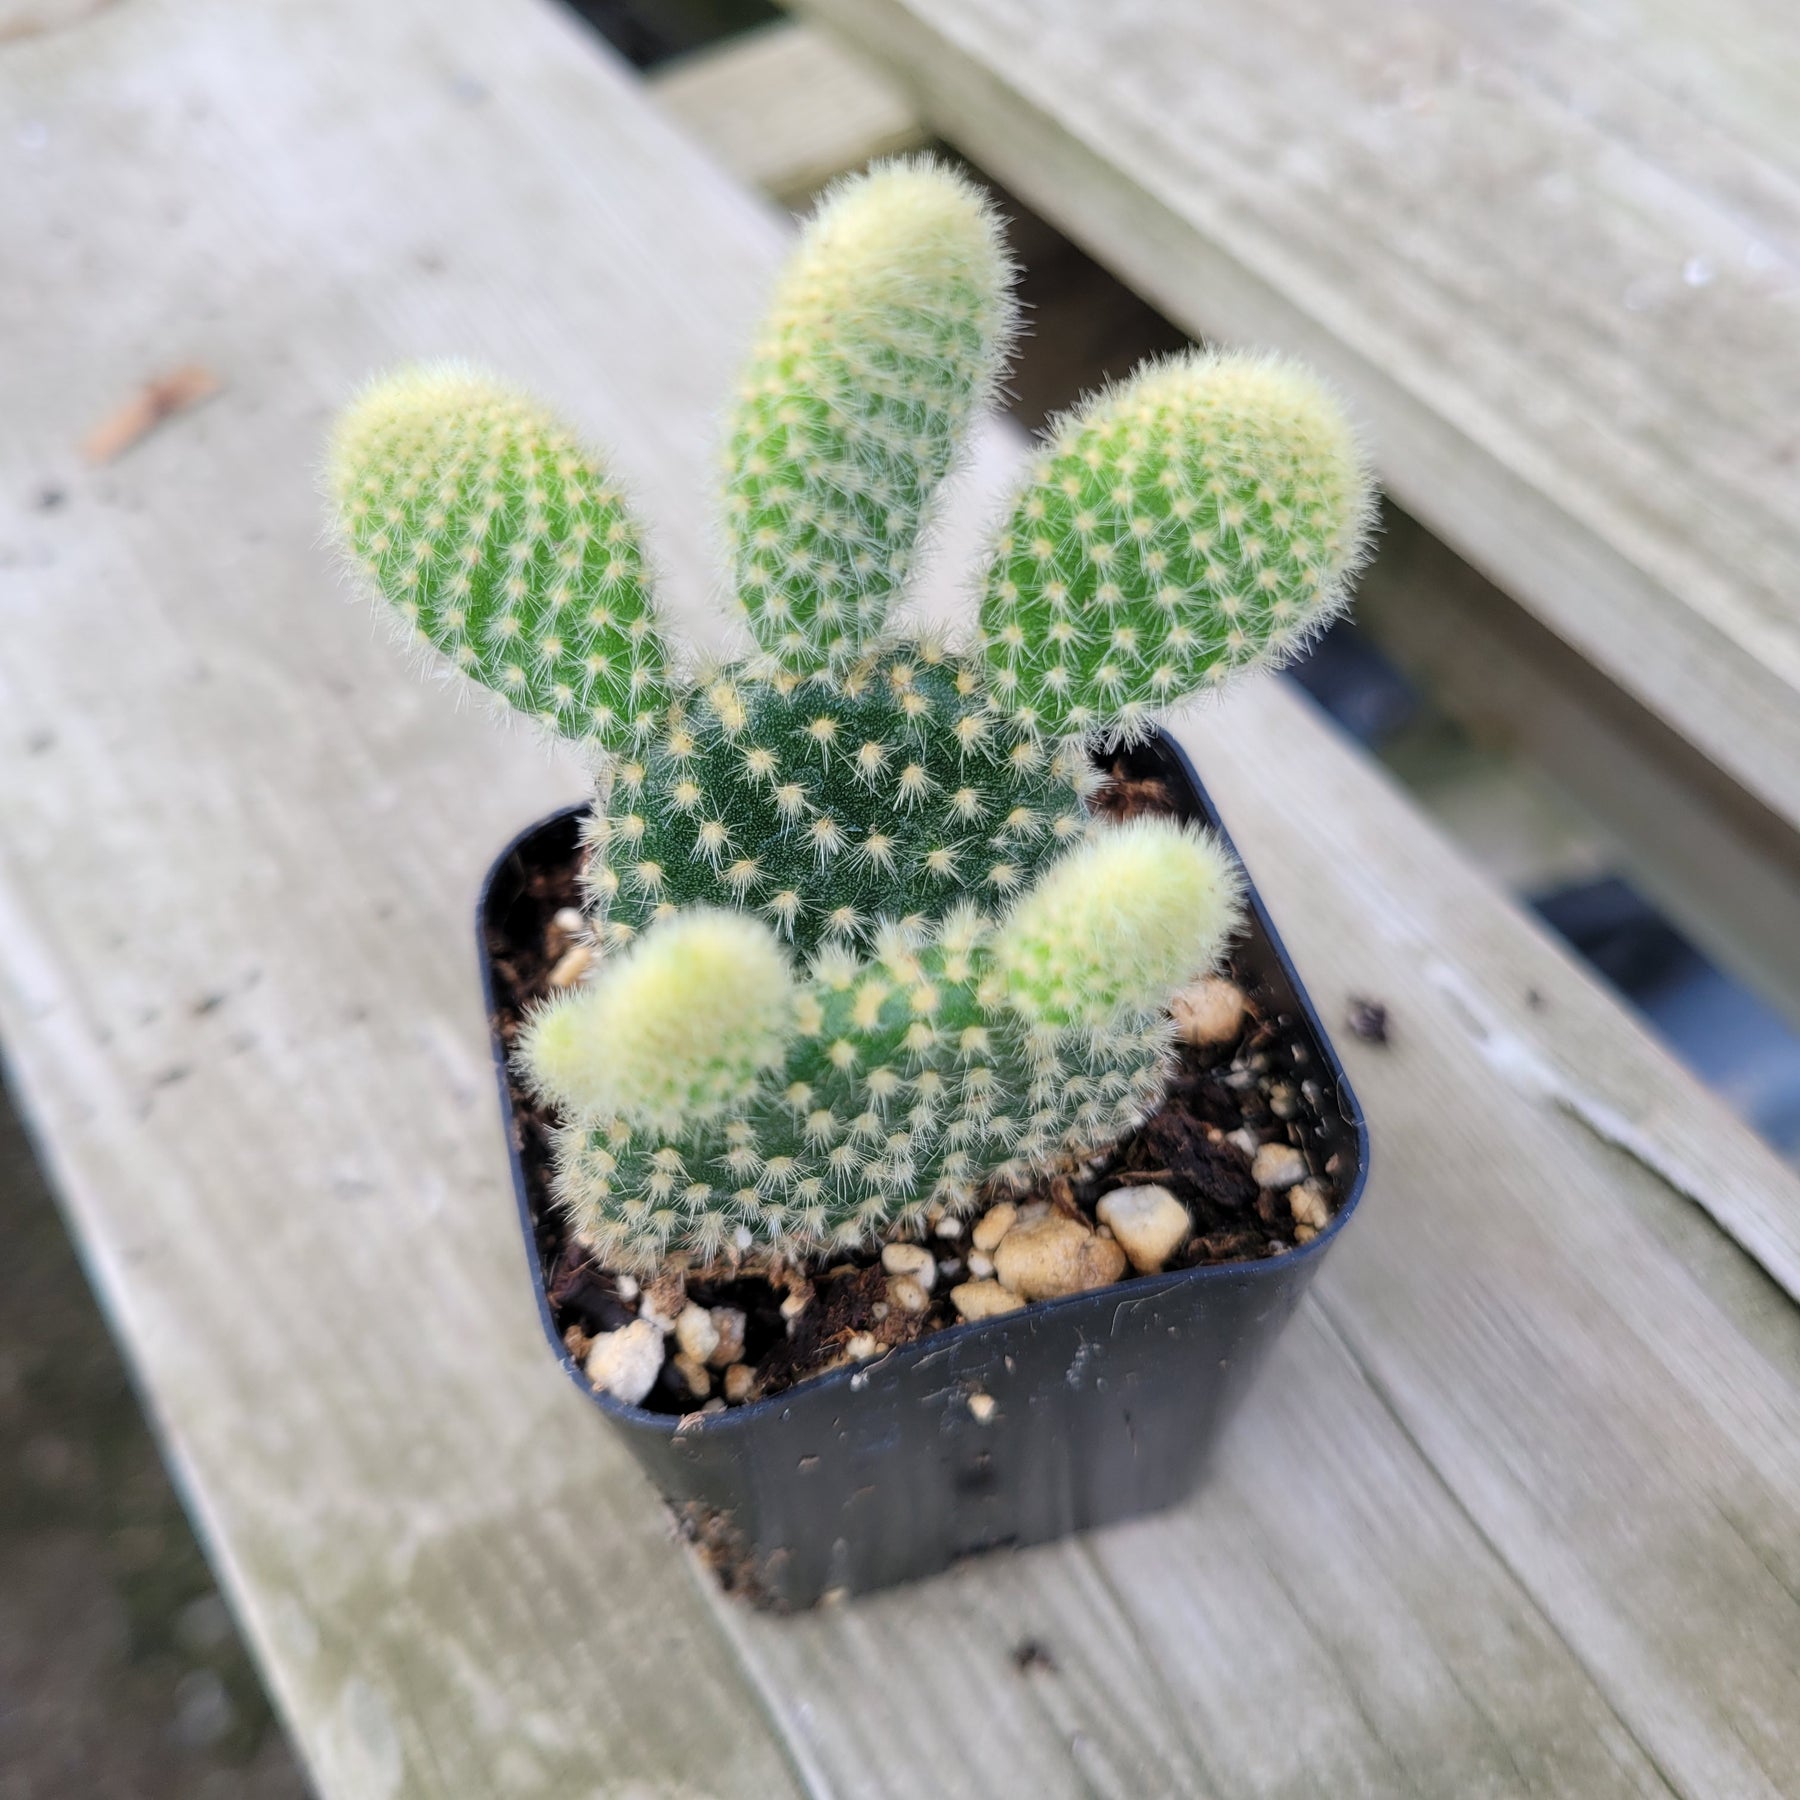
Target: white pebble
x,y
625,1363
1310,1205
1277,1166
1245,1141
696,1333
1047,1257
1149,1222
912,1260
571,966
947,1227
984,1300
907,1294
1102,1261
980,1266
1209,1012
863,1345
740,1381
996,1222
982,1406
728,1322
569,921
694,1376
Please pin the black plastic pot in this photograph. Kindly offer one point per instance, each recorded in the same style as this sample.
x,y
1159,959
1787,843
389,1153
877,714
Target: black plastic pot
x,y
1104,1405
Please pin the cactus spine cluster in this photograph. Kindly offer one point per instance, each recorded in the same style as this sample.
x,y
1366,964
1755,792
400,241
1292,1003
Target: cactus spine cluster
x,y
864,950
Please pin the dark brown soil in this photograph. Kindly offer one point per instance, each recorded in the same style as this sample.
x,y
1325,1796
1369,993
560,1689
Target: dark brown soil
x,y
1194,1145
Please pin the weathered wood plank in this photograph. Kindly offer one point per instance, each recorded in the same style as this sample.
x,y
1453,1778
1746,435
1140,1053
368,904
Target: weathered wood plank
x,y
456,1584
241,844
1722,865
1555,267
785,109
1322,1621
1611,1399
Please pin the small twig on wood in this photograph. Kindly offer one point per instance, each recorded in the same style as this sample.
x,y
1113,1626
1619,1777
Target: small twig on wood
x,y
157,400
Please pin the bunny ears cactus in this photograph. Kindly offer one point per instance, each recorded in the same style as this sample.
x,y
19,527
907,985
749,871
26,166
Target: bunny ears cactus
x,y
864,949
710,1088
1202,519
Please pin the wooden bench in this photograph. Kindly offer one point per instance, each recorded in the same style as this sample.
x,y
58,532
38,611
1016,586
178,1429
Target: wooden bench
x,y
1515,1511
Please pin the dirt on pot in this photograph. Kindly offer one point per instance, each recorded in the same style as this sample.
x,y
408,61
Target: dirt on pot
x,y
1223,1171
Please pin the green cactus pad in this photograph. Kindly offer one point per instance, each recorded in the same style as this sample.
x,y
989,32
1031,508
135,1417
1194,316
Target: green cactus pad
x,y
909,1082
888,331
1200,520
676,1033
825,804
1119,924
499,541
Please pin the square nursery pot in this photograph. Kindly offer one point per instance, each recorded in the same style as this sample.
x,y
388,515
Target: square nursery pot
x,y
1104,1405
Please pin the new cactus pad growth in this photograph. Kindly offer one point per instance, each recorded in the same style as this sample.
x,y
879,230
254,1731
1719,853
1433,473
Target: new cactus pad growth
x,y
863,949
889,329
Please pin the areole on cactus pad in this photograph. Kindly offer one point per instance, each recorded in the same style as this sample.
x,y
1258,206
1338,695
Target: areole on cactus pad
x,y
864,951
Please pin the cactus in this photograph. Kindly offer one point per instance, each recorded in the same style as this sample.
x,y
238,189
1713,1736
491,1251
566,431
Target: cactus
x,y
864,950
825,1108
1118,927
826,803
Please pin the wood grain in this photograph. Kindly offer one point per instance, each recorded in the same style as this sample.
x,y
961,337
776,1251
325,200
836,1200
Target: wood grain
x,y
241,843
1720,864
1516,1512
1552,252
785,110
1609,1395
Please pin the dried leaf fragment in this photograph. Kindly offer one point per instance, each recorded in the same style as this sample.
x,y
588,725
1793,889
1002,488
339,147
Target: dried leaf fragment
x,y
158,399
